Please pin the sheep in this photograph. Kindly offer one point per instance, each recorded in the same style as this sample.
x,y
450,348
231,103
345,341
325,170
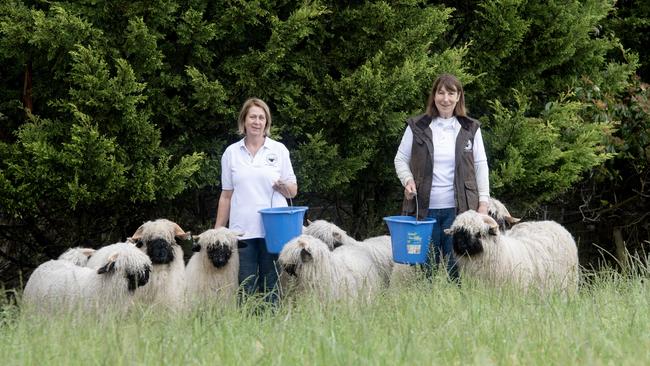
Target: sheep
x,y
60,285
157,239
500,214
167,284
78,256
379,247
541,254
347,273
212,272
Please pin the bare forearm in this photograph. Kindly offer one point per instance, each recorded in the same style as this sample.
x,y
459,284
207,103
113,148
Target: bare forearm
x,y
223,210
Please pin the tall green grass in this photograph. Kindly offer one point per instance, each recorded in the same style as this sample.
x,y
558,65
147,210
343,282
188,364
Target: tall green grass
x,y
426,322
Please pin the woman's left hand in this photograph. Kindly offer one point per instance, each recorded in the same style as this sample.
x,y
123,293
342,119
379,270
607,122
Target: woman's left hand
x,y
284,188
482,208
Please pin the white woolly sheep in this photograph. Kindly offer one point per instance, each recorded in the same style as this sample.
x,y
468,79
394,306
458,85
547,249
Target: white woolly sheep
x,y
532,255
59,285
379,247
212,272
167,284
78,256
348,273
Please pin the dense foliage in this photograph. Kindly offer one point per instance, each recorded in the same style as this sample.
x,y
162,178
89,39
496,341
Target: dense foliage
x,y
116,112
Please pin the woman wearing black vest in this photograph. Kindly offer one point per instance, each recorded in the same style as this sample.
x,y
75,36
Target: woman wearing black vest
x,y
441,159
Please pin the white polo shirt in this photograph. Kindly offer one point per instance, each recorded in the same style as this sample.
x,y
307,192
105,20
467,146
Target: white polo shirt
x,y
251,179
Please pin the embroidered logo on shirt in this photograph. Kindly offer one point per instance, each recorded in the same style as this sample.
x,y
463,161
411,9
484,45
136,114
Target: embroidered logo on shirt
x,y
468,145
271,159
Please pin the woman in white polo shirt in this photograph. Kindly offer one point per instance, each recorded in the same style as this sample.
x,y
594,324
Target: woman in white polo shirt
x,y
254,171
442,161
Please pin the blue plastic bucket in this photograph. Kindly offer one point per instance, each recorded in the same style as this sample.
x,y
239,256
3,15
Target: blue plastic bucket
x,y
281,225
409,238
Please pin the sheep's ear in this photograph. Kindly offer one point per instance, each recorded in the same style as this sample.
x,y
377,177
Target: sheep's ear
x,y
110,266
449,231
305,256
87,251
309,222
493,225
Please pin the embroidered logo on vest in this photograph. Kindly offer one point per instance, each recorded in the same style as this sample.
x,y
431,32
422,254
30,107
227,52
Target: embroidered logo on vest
x,y
468,145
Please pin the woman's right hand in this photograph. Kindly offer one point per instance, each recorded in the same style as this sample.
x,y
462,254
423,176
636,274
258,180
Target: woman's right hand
x,y
409,190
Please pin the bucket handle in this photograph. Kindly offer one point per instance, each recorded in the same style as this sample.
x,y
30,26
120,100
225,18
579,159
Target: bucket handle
x,y
417,208
290,200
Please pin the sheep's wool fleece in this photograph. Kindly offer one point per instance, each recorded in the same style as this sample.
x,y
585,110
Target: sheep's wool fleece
x,y
75,256
348,272
60,285
540,254
379,247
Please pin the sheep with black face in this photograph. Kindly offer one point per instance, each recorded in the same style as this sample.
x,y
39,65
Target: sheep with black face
x,y
60,285
378,248
347,273
539,255
158,239
212,272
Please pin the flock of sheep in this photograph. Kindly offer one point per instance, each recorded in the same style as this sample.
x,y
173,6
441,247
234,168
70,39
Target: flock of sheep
x,y
324,261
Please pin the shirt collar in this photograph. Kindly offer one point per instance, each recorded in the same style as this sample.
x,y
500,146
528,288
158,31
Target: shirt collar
x,y
242,144
445,123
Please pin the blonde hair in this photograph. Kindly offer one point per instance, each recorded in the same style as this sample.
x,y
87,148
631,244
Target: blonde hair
x,y
241,122
450,83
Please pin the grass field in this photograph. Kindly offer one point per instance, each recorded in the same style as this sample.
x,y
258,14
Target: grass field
x,y
424,323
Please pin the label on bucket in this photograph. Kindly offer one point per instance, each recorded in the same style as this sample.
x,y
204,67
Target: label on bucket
x,y
414,238
414,243
413,249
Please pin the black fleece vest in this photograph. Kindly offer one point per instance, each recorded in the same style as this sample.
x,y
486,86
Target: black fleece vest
x,y
421,164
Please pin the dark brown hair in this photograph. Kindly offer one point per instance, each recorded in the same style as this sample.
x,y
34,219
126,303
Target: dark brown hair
x,y
449,82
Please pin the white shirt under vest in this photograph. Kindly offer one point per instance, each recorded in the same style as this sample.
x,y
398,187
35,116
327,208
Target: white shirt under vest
x,y
444,132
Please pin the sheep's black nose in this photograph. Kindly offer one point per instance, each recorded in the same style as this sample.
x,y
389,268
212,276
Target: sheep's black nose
x,y
466,244
160,251
219,255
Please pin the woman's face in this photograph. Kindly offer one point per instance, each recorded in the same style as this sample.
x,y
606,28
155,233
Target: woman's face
x,y
255,122
446,101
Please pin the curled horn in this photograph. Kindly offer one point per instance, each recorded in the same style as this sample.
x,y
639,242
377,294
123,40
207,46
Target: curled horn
x,y
511,220
179,233
138,234
494,227
87,251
